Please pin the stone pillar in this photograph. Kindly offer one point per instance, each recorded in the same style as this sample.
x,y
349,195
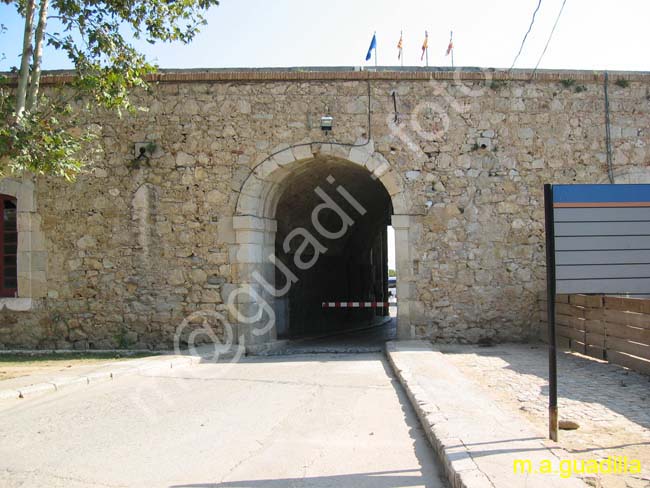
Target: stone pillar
x,y
255,279
406,279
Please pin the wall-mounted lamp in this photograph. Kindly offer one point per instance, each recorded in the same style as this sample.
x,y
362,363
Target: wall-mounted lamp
x,y
326,122
142,152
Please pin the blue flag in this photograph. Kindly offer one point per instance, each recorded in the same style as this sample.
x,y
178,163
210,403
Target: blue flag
x,y
373,45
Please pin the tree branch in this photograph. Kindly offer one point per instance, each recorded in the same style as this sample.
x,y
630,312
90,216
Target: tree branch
x,y
38,55
23,78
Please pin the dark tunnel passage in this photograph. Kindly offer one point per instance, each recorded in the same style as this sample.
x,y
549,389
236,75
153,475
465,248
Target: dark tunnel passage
x,y
332,233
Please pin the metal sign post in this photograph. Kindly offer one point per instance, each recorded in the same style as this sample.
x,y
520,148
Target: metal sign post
x,y
550,297
597,242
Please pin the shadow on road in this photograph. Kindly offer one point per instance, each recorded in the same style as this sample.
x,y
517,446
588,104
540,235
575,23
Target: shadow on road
x,y
378,479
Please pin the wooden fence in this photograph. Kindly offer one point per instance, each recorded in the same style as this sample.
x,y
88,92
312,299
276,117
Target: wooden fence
x,y
611,328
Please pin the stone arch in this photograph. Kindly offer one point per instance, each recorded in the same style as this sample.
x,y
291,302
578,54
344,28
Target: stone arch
x,y
259,192
32,254
255,226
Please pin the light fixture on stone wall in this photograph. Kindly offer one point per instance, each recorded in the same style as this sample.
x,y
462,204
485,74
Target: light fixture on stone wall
x,y
326,122
143,151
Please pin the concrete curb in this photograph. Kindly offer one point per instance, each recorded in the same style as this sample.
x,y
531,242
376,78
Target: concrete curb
x,y
117,370
455,427
460,468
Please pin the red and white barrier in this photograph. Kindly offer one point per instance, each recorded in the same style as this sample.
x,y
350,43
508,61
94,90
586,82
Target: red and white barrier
x,y
358,304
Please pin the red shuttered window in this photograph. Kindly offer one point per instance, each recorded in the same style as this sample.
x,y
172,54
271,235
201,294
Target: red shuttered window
x,y
8,247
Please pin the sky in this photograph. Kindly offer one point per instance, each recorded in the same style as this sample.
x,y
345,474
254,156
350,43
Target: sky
x,y
591,34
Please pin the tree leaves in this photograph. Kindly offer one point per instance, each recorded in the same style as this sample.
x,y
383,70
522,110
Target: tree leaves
x,y
107,66
40,143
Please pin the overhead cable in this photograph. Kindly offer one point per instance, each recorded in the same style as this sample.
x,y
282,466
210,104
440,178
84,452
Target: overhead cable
x,y
530,27
550,36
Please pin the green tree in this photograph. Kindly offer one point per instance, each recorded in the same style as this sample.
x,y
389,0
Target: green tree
x,y
38,133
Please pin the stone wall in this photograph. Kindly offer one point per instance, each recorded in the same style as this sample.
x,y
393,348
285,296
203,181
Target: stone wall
x,y
131,252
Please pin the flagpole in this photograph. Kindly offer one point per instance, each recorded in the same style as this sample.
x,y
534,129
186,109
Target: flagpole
x,y
401,49
426,47
451,40
374,36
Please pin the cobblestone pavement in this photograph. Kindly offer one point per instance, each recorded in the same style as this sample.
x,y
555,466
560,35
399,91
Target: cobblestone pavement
x,y
610,403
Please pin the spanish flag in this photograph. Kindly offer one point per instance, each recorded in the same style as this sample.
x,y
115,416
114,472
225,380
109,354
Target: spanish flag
x,y
399,46
451,44
425,45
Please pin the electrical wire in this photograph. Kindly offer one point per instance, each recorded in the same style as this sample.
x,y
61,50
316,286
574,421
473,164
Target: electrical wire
x,y
549,37
608,131
302,144
530,27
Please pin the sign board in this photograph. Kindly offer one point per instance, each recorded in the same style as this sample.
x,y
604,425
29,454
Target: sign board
x,y
602,239
597,241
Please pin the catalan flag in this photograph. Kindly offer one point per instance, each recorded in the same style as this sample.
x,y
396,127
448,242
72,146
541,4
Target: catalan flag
x,y
450,47
399,46
425,45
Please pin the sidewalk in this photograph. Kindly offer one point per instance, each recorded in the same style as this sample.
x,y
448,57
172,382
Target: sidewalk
x,y
83,375
611,404
476,439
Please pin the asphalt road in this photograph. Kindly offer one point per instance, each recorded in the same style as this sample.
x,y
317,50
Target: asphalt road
x,y
321,420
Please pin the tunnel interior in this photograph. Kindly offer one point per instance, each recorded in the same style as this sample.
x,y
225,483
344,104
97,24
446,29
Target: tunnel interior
x,y
332,219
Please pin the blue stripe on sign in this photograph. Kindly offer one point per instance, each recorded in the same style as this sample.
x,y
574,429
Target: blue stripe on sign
x,y
601,193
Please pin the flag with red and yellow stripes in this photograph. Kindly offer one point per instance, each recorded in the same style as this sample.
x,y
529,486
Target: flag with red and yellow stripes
x,y
399,46
425,44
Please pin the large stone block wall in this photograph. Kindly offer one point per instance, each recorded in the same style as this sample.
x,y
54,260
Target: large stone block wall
x,y
131,252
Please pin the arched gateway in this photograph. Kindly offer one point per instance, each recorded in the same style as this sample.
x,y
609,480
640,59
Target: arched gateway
x,y
305,216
